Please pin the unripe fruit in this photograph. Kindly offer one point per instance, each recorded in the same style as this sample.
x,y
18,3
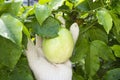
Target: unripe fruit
x,y
59,49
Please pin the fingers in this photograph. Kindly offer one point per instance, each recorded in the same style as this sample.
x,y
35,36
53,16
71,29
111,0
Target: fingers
x,y
31,52
38,41
39,46
75,31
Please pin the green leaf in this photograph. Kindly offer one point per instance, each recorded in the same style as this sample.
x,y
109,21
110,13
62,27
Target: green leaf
x,y
76,2
11,28
4,73
1,1
25,12
105,19
116,7
20,72
96,33
15,7
95,4
113,74
44,1
103,50
68,4
49,29
81,50
9,53
77,77
116,49
116,21
10,7
42,12
83,6
55,4
92,62
26,32
116,34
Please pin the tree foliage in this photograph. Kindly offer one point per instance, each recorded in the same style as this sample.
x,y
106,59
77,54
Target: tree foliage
x,y
96,55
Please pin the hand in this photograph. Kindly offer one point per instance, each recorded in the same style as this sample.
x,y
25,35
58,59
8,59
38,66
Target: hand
x,y
43,69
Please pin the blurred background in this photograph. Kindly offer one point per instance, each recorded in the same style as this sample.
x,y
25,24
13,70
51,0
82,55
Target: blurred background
x,y
29,2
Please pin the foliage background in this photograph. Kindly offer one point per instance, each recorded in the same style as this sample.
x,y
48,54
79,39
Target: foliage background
x,y
96,55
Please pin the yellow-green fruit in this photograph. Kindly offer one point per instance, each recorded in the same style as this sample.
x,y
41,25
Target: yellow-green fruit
x,y
59,49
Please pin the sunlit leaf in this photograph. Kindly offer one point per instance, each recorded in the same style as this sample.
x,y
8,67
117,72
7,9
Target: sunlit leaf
x,y
116,49
44,1
1,1
55,4
26,32
105,19
25,12
70,5
42,12
11,7
11,28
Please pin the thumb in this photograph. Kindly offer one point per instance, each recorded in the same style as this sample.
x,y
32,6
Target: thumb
x,y
31,52
74,29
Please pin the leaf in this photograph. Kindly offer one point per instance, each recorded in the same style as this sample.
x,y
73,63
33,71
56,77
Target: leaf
x,y
116,34
25,12
20,72
103,50
1,1
4,73
116,7
26,32
77,77
11,28
92,62
96,33
105,19
9,53
42,12
44,1
116,21
77,2
116,49
81,50
49,29
83,6
68,4
113,74
55,4
15,7
95,4
11,7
